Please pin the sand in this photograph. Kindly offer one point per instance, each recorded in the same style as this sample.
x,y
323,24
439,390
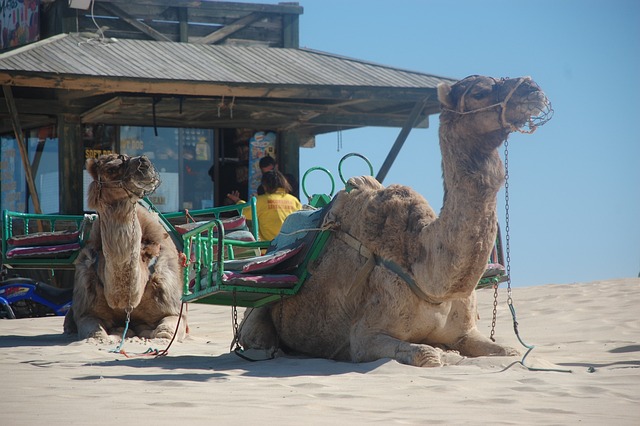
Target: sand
x,y
592,329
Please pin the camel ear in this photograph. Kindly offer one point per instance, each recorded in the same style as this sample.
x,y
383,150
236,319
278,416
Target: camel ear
x,y
91,167
444,96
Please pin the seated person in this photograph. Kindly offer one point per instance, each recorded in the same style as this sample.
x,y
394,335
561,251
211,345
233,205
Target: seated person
x,y
273,206
266,164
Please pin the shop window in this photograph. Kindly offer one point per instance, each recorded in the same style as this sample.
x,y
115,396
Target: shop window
x,y
240,151
13,190
42,151
98,140
183,156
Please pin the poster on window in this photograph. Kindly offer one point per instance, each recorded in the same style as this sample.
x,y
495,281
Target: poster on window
x,y
261,144
165,197
19,22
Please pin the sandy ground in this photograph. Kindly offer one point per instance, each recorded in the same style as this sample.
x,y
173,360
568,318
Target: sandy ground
x,y
591,329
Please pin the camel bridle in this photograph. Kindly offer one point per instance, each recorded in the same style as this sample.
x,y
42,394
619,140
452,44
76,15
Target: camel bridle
x,y
502,106
128,185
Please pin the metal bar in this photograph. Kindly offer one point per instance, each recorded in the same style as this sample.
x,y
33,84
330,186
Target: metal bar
x,y
402,137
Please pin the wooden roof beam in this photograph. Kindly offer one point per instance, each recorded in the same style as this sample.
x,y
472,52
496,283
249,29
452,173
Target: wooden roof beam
x,y
140,26
224,32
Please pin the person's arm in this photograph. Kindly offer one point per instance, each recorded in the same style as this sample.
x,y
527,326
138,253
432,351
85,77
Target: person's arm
x,y
235,197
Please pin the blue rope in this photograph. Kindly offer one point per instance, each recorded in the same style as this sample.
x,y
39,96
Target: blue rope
x,y
529,348
124,334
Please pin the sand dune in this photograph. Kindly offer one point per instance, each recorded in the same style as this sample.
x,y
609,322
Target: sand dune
x,y
592,329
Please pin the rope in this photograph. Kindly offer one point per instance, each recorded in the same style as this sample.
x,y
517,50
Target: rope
x,y
118,349
327,227
529,348
151,351
165,351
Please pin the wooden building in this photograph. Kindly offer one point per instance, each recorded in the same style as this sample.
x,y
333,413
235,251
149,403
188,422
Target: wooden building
x,y
202,88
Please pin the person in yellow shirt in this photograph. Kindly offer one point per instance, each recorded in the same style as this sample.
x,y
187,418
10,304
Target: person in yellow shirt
x,y
272,207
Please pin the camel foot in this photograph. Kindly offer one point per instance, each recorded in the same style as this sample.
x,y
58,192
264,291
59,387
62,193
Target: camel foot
x,y
426,356
257,330
475,344
167,327
69,326
91,328
163,332
507,351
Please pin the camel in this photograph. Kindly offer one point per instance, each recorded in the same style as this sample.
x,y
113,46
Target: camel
x,y
128,273
396,280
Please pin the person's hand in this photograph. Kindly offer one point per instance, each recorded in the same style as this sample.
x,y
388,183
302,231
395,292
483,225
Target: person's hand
x,y
234,196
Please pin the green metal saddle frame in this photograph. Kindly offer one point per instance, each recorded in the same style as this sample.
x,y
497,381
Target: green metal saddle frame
x,y
41,235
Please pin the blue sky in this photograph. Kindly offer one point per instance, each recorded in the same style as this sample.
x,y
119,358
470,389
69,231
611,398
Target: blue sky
x,y
574,197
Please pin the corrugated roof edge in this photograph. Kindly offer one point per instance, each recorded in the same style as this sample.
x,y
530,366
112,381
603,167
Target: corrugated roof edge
x,y
376,64
33,45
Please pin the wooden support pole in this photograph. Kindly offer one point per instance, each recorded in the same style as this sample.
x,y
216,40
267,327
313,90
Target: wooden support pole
x,y
402,137
17,130
70,161
183,22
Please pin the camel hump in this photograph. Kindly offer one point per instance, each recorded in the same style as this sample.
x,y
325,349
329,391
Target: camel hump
x,y
364,183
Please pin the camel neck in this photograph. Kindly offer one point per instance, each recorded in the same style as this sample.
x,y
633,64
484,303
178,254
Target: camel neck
x,y
465,230
121,236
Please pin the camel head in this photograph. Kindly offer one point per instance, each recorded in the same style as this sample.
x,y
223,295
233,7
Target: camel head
x,y
486,108
118,177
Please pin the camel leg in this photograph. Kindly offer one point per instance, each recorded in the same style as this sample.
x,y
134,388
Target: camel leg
x,y
90,327
475,344
370,347
257,330
69,325
167,327
416,354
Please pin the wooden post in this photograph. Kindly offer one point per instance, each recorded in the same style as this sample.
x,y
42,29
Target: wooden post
x,y
288,153
17,130
290,31
70,161
183,22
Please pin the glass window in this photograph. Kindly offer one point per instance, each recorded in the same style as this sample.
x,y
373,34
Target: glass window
x,y
183,157
42,145
13,191
98,139
42,151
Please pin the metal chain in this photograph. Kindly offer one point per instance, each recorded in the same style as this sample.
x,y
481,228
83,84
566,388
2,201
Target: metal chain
x,y
495,312
235,343
508,247
506,221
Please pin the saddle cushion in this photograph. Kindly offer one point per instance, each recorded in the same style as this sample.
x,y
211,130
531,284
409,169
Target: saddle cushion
x,y
58,251
268,262
267,281
236,223
44,239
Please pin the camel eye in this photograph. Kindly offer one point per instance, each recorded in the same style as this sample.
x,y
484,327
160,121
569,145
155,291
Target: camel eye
x,y
481,94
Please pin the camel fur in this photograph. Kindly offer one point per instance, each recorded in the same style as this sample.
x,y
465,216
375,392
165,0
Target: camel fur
x,y
129,267
353,309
